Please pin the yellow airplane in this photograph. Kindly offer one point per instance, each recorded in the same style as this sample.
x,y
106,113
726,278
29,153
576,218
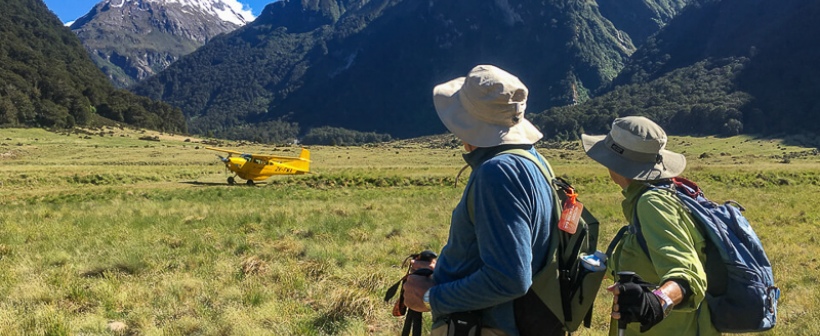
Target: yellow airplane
x,y
256,167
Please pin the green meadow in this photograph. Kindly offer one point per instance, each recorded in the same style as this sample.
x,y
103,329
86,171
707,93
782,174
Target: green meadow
x,y
102,233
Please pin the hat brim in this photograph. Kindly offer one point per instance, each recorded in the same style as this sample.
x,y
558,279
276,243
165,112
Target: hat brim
x,y
473,131
672,165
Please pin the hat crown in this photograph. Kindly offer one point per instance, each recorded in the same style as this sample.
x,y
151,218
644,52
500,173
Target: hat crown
x,y
635,149
494,96
638,134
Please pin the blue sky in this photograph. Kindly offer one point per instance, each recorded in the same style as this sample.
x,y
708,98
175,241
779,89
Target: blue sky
x,y
70,10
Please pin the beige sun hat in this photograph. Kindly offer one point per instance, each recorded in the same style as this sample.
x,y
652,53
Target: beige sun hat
x,y
486,108
635,149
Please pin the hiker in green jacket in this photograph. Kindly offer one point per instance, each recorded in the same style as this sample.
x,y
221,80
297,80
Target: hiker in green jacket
x,y
634,152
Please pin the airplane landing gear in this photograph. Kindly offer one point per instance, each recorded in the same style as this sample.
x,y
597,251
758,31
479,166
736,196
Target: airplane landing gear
x,y
249,183
231,180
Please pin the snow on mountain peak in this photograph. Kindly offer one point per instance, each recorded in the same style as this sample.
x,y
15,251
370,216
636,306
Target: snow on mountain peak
x,y
227,10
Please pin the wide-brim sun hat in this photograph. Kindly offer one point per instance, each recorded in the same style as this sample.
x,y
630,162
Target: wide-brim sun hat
x,y
635,148
486,108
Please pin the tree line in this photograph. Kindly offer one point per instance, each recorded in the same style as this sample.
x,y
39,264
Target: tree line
x,y
48,80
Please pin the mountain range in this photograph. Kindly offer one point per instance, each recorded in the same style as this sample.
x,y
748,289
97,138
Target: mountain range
x,y
719,67
327,69
131,40
370,65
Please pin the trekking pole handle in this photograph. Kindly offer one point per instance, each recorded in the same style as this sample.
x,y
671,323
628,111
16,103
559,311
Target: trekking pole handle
x,y
427,255
624,277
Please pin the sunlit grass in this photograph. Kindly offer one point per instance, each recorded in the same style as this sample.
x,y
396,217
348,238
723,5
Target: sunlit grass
x,y
119,230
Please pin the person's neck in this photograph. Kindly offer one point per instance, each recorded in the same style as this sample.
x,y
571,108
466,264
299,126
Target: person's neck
x,y
621,181
469,148
481,154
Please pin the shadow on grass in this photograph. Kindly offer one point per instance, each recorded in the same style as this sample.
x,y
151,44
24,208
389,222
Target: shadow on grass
x,y
329,323
130,267
224,184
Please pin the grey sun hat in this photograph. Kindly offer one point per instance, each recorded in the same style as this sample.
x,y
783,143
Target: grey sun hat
x,y
486,108
635,149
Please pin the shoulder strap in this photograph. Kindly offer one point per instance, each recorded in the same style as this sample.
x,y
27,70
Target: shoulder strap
x,y
635,226
635,229
616,240
546,170
542,164
539,161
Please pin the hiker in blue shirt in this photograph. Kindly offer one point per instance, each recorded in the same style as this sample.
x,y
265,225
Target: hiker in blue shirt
x,y
499,231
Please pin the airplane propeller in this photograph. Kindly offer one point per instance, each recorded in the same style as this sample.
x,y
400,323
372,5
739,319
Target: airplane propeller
x,y
225,160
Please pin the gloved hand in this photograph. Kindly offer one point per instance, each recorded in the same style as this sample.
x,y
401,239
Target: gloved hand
x,y
637,303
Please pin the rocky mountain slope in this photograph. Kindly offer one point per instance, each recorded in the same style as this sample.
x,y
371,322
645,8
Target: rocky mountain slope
x,y
131,40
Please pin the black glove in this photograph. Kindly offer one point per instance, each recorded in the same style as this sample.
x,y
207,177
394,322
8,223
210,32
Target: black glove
x,y
637,303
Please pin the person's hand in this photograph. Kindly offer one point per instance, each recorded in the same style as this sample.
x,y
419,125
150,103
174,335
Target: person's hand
x,y
414,289
635,302
416,265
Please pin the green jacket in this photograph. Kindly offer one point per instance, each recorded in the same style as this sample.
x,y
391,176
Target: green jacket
x,y
676,246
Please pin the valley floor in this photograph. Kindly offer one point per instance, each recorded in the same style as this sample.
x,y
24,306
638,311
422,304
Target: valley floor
x,y
101,230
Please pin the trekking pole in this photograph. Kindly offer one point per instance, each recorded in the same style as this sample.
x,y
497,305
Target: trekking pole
x,y
623,277
413,319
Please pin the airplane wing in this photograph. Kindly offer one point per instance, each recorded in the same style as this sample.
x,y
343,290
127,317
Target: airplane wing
x,y
278,158
223,150
263,157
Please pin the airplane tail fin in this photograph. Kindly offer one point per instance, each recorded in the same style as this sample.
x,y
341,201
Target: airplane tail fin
x,y
303,164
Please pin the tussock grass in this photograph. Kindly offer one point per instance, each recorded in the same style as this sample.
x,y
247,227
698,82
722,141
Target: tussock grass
x,y
99,230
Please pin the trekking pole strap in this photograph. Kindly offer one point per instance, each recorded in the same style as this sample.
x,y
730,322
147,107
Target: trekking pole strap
x,y
412,323
413,319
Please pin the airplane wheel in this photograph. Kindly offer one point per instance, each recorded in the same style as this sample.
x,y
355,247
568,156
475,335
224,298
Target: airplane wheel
x,y
231,180
250,182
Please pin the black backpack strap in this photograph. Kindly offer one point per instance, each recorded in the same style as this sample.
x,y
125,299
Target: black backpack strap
x,y
635,229
616,240
635,226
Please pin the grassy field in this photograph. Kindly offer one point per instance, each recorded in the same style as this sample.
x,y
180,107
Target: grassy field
x,y
102,233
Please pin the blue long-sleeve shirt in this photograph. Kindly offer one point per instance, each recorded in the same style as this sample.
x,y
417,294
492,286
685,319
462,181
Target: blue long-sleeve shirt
x,y
489,261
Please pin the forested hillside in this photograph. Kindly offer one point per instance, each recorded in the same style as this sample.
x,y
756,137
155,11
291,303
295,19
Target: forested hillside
x,y
640,18
48,80
370,66
720,67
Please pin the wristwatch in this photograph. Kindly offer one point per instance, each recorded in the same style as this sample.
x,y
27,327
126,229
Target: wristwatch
x,y
426,299
666,302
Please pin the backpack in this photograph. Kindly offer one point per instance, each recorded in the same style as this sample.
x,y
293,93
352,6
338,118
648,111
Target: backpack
x,y
741,293
562,294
